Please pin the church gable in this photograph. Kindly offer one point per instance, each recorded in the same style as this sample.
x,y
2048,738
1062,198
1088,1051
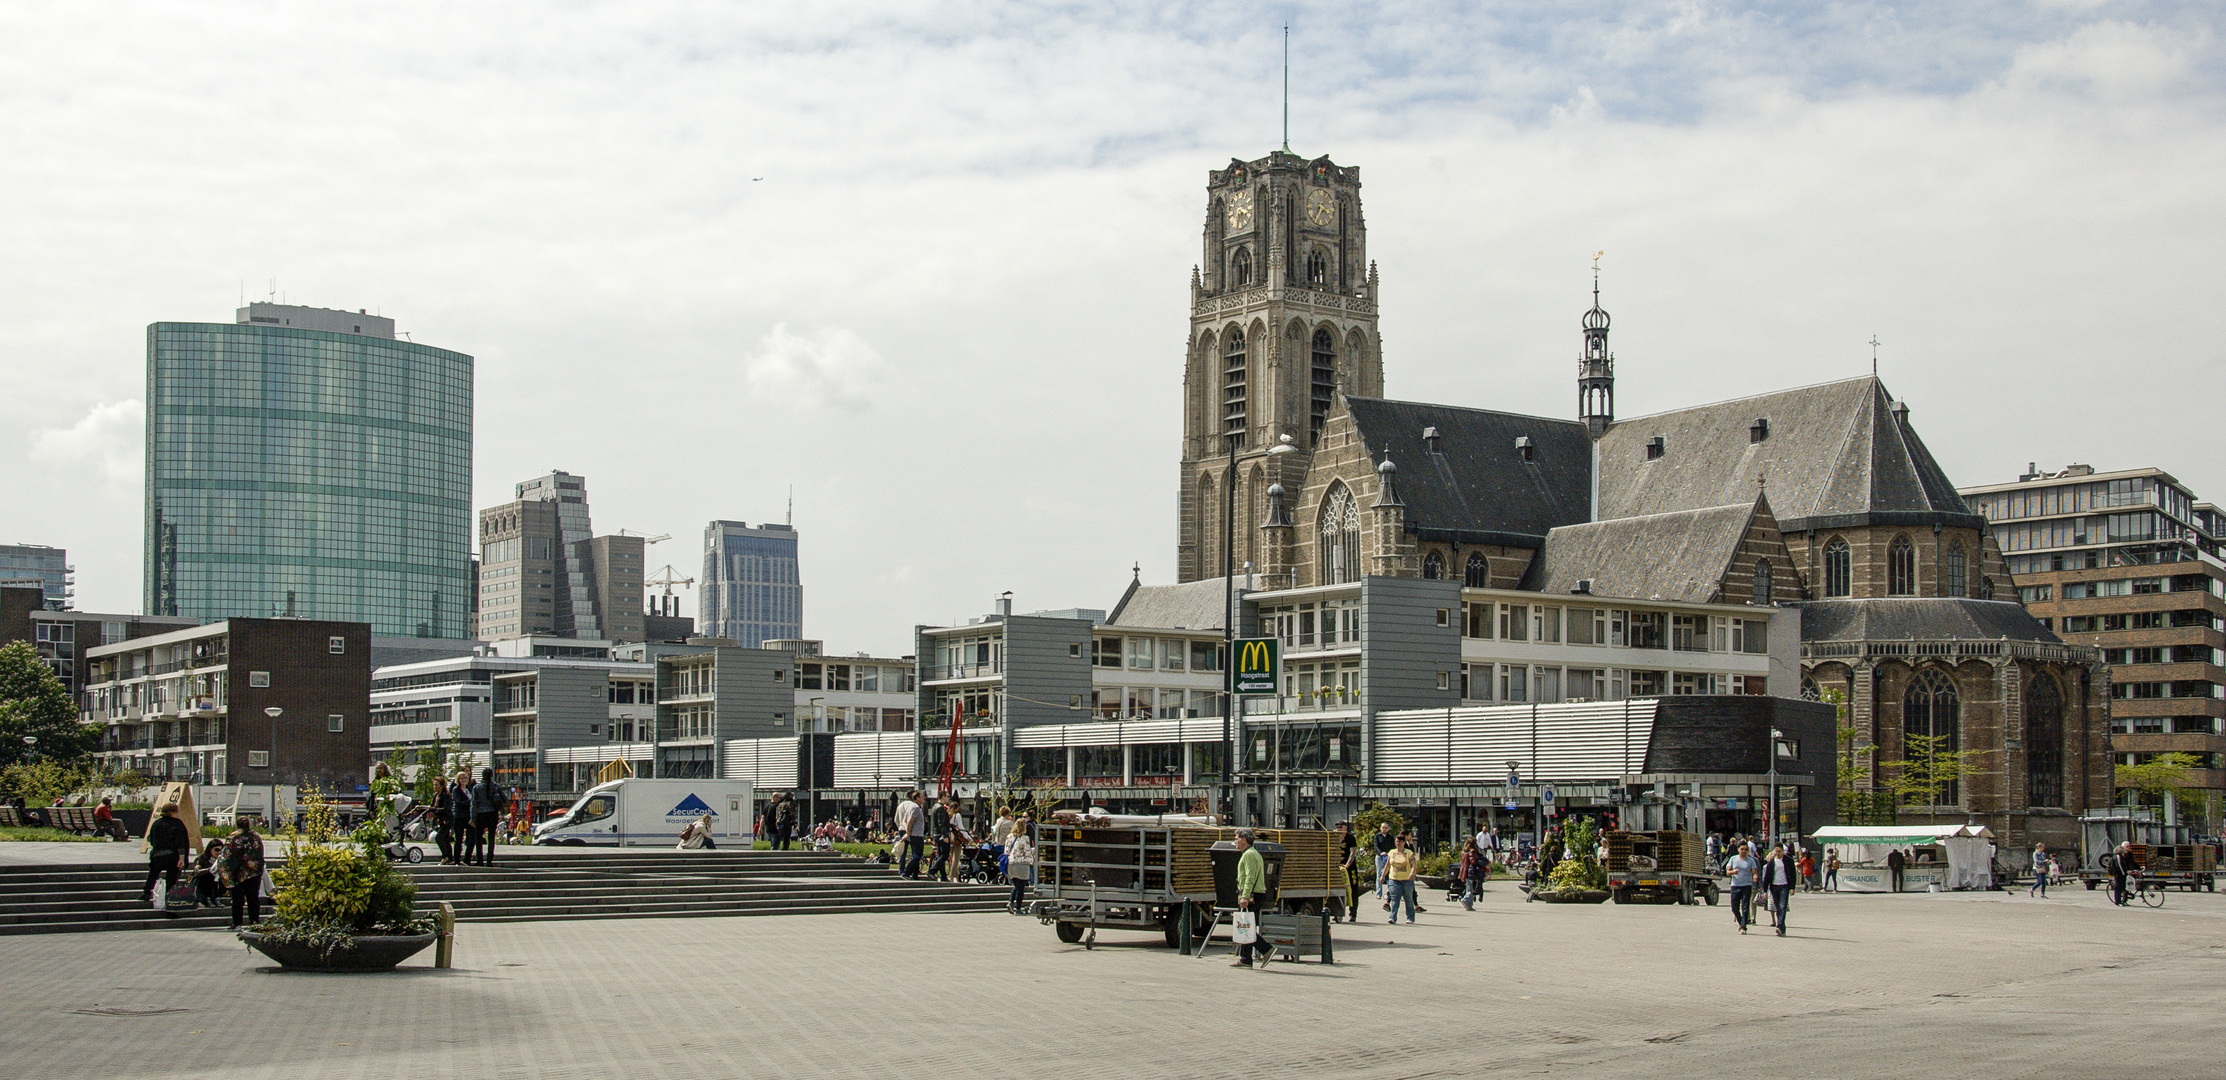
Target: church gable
x,y
1706,556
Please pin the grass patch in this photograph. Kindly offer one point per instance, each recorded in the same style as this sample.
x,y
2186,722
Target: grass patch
x,y
26,833
863,851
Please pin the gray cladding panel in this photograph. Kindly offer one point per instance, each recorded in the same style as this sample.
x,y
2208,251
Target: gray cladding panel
x,y
1402,646
567,701
751,703
1047,665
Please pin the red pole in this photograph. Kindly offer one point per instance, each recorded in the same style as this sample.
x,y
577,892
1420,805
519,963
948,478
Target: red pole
x,y
950,750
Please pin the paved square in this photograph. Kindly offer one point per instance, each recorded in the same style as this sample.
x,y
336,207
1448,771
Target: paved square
x,y
1980,985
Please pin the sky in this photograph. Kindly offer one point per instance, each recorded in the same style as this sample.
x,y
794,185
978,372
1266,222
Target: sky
x,y
926,265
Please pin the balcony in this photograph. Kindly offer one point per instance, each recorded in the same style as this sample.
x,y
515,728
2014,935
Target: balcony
x,y
946,672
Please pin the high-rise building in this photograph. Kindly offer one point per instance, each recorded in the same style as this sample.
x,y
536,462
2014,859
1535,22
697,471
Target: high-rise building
x,y
2128,561
751,591
574,577
47,567
518,569
544,571
305,462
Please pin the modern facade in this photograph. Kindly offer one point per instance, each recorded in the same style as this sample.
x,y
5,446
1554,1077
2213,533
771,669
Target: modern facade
x,y
197,704
543,571
2129,563
546,724
63,637
47,567
304,462
751,591
1707,518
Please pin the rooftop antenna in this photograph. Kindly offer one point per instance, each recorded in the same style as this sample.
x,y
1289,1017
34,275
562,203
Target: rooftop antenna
x,y
1286,88
792,504
1874,343
1596,277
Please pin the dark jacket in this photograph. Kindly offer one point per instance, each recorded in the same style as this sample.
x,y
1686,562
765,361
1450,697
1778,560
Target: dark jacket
x,y
1896,860
1768,875
168,835
459,802
487,799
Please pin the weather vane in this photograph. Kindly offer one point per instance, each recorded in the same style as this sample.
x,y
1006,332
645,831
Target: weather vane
x,y
1874,343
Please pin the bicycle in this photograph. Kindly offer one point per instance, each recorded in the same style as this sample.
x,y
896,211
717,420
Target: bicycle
x,y
2150,893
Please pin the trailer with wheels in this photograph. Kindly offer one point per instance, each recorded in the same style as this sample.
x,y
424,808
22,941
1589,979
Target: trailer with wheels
x,y
1663,867
1102,875
2162,853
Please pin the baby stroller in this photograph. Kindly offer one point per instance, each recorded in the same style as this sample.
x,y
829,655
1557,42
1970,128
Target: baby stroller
x,y
981,864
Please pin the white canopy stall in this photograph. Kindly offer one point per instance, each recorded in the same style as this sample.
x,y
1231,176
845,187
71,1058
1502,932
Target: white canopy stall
x,y
1953,856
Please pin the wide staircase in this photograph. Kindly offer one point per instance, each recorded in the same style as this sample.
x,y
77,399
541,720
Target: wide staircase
x,y
525,888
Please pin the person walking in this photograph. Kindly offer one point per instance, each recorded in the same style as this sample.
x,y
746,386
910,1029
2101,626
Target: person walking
x,y
1252,880
167,845
911,827
1471,864
1383,844
1400,866
1831,871
784,821
1895,863
487,799
1808,873
1348,863
1020,862
2040,872
1742,867
458,797
939,830
1779,874
243,873
442,837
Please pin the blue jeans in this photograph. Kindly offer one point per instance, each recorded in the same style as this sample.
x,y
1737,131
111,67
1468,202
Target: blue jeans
x,y
1779,895
908,864
1402,891
1382,878
1742,904
1469,889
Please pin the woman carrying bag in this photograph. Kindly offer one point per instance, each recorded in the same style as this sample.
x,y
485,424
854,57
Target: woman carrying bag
x,y
1020,862
242,871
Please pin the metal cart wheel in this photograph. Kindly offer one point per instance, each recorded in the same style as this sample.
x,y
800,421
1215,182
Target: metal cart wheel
x,y
1712,894
1069,933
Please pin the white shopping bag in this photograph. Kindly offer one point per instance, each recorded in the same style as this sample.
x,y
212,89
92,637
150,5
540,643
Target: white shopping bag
x,y
162,895
1244,928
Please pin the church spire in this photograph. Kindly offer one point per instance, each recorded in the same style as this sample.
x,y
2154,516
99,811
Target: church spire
x,y
1596,368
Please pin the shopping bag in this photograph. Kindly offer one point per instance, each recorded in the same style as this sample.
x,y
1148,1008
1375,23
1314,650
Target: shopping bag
x,y
162,896
1244,928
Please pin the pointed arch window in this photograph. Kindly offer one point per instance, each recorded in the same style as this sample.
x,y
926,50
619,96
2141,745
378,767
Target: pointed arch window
x,y
1233,387
1901,567
1209,528
1240,267
1340,537
1837,567
2044,743
1931,726
1955,574
1433,566
1317,267
1325,379
1478,573
1762,582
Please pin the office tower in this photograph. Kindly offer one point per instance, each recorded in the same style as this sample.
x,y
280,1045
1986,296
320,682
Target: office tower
x,y
518,569
615,571
543,571
751,592
47,567
305,462
574,577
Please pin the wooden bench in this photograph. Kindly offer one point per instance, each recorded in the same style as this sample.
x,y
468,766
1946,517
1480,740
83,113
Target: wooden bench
x,y
10,818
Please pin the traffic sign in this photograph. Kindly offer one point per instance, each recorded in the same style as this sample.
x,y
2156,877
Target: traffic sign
x,y
1546,795
1257,670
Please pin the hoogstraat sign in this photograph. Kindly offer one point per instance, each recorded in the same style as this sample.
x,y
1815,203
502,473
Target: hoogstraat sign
x,y
1256,669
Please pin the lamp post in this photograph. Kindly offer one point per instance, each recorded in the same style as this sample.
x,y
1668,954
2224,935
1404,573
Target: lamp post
x,y
270,762
1229,612
30,749
811,761
1770,828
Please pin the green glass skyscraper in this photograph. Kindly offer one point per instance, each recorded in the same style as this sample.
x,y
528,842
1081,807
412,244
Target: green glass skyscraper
x,y
303,461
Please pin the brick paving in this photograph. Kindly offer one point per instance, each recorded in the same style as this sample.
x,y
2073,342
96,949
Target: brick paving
x,y
1982,985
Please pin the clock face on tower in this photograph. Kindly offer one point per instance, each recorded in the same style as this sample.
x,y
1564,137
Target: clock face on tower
x,y
1321,207
1240,210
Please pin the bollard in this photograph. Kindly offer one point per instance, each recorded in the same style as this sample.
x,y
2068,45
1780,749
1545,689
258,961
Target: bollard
x,y
444,950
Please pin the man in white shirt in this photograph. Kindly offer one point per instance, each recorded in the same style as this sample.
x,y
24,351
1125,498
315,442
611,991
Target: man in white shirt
x,y
911,833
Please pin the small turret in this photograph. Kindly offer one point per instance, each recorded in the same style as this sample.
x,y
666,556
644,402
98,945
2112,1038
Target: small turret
x,y
1596,368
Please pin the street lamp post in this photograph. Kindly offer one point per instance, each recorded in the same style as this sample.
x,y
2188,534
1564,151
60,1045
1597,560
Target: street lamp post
x,y
1770,829
1229,613
270,762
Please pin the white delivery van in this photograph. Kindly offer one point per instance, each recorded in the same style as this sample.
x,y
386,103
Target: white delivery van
x,y
651,813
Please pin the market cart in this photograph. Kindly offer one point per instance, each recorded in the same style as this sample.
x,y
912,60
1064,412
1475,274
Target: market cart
x,y
1161,877
1664,867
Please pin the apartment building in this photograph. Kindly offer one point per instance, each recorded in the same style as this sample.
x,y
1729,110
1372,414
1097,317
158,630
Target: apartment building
x,y
2129,562
254,701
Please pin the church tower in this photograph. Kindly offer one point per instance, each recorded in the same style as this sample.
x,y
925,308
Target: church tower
x,y
1596,368
1282,321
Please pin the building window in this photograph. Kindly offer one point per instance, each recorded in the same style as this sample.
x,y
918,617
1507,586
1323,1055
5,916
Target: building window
x,y
1901,568
1930,712
2044,743
1836,567
1953,577
336,722
1340,537
1240,267
259,679
1654,448
1233,387
258,759
1433,566
1762,582
1478,575
336,645
1325,379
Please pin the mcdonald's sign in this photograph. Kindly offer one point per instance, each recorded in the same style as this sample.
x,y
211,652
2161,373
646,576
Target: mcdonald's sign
x,y
1256,666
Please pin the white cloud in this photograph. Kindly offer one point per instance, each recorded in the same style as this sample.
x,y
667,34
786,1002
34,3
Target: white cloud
x,y
109,441
833,368
2111,59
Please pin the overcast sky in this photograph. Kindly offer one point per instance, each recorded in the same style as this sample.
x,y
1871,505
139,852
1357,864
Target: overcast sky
x,y
951,313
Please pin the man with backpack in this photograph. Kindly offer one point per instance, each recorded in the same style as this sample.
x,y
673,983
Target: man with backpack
x,y
784,820
487,801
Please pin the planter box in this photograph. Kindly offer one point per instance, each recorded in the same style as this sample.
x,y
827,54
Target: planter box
x,y
370,952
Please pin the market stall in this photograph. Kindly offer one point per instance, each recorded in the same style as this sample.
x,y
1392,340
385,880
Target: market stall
x,y
1950,856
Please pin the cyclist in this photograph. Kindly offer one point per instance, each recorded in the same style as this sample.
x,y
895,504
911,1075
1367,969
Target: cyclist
x,y
2118,864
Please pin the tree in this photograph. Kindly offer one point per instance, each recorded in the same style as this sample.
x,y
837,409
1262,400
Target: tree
x,y
34,702
1858,805
2162,775
1926,771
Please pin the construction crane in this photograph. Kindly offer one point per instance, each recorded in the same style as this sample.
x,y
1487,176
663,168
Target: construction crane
x,y
666,604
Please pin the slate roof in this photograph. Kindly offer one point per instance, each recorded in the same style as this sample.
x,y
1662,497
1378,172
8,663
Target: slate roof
x,y
1837,455
1920,619
1680,556
1477,488
1193,605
